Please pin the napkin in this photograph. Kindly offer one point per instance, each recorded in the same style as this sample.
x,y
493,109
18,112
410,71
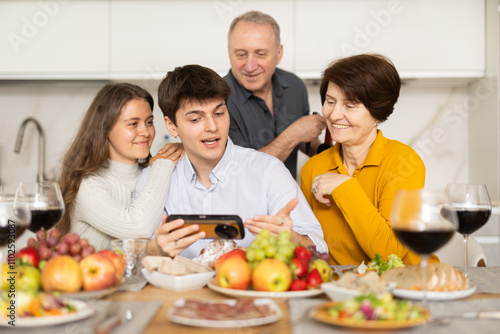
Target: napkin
x,y
176,266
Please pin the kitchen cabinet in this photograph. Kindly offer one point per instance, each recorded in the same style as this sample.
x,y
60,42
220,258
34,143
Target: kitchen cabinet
x,y
54,39
424,39
148,38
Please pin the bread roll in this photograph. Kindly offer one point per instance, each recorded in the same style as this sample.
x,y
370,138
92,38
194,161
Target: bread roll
x,y
440,277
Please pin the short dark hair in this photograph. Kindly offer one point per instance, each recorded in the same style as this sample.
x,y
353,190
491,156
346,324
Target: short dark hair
x,y
190,83
371,79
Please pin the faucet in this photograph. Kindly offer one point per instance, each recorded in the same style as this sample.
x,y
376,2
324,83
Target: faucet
x,y
41,145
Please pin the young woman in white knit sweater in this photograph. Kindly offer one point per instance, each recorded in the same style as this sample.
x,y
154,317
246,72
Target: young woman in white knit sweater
x,y
100,169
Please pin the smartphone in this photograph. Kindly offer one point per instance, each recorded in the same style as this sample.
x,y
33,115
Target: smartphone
x,y
215,226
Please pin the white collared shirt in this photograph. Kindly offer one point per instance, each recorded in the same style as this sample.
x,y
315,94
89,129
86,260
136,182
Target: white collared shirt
x,y
246,183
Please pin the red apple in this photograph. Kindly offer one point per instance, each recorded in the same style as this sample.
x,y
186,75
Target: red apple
x,y
62,274
234,273
117,260
271,275
238,252
28,255
98,272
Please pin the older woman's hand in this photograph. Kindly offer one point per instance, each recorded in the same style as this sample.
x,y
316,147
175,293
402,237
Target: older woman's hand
x,y
172,238
172,151
324,184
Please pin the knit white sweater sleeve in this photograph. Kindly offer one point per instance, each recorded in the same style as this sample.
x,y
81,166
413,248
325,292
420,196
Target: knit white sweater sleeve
x,y
98,204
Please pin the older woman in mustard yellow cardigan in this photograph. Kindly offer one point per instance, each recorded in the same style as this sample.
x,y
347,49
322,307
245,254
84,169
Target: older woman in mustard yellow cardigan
x,y
351,186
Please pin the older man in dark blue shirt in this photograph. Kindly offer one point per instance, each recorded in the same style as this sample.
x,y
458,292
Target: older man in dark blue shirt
x,y
269,107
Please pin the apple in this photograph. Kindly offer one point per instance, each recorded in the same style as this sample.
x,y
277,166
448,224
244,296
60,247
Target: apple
x,y
234,273
271,275
62,274
28,255
117,260
238,252
28,278
98,272
324,269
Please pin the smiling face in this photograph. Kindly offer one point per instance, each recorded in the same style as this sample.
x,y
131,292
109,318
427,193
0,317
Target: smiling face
x,y
203,128
254,55
132,134
350,123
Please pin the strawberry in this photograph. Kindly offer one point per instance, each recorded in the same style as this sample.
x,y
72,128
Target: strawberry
x,y
313,279
298,285
28,256
302,253
299,268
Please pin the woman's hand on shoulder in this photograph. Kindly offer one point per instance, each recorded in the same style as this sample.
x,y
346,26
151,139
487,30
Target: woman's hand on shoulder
x,y
324,184
172,151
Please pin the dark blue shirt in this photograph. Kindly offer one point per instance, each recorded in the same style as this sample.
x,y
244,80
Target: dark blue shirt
x,y
253,125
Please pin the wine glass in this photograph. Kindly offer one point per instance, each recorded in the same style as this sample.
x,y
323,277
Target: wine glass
x,y
473,206
46,203
423,220
15,217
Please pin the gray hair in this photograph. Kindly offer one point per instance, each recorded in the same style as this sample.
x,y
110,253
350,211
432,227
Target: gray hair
x,y
259,18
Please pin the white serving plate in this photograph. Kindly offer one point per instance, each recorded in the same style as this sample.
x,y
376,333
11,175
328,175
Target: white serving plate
x,y
436,295
177,283
262,294
275,316
83,310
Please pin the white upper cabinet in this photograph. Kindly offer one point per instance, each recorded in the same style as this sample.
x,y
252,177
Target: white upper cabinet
x,y
142,40
424,38
149,38
54,39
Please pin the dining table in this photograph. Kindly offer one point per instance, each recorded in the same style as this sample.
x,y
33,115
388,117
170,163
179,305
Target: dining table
x,y
150,305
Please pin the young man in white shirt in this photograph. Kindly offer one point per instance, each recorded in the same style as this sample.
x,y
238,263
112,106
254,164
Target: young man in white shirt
x,y
217,177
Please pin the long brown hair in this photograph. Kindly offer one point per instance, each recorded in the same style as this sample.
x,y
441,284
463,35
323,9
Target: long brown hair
x,y
89,150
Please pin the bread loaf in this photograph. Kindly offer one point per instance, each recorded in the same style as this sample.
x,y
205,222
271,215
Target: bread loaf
x,y
440,277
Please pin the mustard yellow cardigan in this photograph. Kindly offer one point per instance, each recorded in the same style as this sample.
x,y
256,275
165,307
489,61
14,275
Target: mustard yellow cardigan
x,y
356,226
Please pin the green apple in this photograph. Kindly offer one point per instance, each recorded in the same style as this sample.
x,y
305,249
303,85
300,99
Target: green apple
x,y
324,269
28,278
271,275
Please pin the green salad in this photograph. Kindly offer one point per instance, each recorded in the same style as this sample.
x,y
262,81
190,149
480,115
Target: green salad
x,y
370,307
379,265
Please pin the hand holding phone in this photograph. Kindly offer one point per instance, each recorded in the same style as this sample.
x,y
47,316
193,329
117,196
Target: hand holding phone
x,y
215,226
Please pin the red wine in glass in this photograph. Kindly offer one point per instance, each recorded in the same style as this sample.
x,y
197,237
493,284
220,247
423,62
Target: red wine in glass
x,y
424,242
423,221
47,205
473,206
471,220
45,218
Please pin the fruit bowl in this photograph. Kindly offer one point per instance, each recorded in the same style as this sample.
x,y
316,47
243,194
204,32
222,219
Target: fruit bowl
x,y
178,283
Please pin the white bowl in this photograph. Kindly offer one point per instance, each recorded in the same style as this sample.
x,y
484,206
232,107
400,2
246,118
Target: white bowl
x,y
178,283
338,293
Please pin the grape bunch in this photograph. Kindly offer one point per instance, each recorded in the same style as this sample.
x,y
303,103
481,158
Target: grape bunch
x,y
51,244
266,246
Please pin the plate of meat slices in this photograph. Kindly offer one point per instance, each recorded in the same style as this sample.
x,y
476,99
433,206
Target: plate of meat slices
x,y
224,313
